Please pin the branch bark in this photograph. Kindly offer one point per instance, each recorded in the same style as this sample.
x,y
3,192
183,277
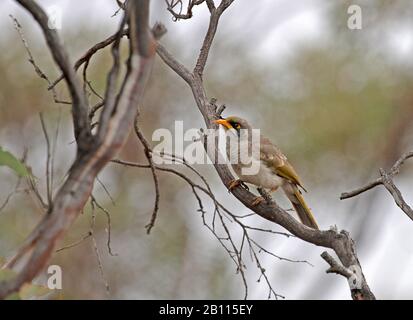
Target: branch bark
x,y
94,152
60,56
340,242
76,190
386,179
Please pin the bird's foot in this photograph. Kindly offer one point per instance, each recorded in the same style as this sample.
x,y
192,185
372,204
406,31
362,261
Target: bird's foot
x,y
257,201
235,183
265,195
273,189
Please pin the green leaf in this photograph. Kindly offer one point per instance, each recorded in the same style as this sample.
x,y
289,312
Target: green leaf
x,y
8,160
27,291
30,290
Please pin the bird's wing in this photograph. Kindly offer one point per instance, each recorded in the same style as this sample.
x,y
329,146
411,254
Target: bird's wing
x,y
272,156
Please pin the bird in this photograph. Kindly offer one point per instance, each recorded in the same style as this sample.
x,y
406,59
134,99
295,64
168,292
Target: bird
x,y
274,170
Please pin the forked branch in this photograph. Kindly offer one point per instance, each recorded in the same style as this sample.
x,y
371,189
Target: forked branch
x,y
386,179
340,242
93,152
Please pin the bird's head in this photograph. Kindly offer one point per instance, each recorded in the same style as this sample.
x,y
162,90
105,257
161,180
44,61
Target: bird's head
x,y
233,122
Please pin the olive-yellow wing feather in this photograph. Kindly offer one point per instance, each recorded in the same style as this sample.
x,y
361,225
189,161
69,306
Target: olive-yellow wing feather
x,y
272,156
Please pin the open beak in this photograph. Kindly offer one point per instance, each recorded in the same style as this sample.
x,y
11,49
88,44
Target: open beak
x,y
224,122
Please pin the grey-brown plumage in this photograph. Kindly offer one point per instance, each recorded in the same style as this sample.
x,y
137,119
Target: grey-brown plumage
x,y
274,170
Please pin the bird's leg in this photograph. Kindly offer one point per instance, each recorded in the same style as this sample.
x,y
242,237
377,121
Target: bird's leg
x,y
235,183
265,196
257,201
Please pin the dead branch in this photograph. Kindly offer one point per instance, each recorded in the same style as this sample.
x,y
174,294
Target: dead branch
x,y
340,242
172,4
76,243
226,241
93,152
60,56
335,267
95,246
386,179
148,154
94,203
88,55
48,165
37,69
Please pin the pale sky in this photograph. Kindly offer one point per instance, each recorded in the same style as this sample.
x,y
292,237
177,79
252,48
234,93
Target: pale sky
x,y
275,29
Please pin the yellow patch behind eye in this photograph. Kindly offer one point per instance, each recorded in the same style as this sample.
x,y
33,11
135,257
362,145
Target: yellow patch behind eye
x,y
237,126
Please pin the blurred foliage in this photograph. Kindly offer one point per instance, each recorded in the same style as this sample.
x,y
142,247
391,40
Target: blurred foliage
x,y
27,291
335,105
9,160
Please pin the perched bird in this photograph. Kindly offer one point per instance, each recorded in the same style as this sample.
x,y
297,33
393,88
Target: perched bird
x,y
274,170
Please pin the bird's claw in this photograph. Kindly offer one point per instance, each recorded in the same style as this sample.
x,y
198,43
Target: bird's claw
x,y
235,183
257,201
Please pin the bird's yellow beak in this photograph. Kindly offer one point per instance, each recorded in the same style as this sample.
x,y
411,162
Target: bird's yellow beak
x,y
224,122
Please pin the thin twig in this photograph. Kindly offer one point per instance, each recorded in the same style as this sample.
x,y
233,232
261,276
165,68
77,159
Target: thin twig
x,y
93,152
37,69
386,179
340,242
106,190
54,147
148,154
109,225
234,253
49,154
96,249
76,243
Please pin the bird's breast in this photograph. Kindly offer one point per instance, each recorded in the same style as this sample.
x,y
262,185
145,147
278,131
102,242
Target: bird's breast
x,y
249,168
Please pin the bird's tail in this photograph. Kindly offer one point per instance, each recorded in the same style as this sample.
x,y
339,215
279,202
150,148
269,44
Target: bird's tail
x,y
297,200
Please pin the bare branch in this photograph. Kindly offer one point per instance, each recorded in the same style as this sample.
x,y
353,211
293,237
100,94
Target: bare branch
x,y
76,243
148,154
396,194
386,180
79,104
179,68
393,171
88,54
209,37
121,5
37,69
158,31
341,242
110,94
48,166
95,246
106,190
93,154
109,224
54,147
171,4
233,251
335,267
35,191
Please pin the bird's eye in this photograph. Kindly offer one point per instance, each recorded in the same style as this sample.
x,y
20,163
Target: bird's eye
x,y
237,126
